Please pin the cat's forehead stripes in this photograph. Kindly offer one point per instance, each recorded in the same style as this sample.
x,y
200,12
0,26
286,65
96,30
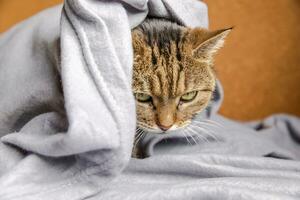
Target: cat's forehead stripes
x,y
167,80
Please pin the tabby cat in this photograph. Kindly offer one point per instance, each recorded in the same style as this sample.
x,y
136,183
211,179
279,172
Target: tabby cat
x,y
173,75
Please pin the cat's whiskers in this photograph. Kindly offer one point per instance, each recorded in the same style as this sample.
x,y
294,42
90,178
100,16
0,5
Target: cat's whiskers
x,y
201,138
141,136
192,136
206,131
138,133
185,135
201,123
138,137
199,135
138,129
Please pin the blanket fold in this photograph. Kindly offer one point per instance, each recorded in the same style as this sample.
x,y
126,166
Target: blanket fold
x,y
67,117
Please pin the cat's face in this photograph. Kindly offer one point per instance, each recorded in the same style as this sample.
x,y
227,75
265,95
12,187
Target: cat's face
x,y
174,80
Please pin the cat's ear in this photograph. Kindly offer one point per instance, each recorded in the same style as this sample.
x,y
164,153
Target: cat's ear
x,y
206,43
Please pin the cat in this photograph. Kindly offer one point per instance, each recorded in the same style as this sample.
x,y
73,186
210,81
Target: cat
x,y
173,74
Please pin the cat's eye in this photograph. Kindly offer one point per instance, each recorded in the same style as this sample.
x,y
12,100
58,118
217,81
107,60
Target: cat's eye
x,y
142,97
188,96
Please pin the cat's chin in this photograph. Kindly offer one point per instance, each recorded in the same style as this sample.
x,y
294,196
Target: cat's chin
x,y
174,128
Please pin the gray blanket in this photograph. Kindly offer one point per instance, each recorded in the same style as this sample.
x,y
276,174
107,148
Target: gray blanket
x,y
67,118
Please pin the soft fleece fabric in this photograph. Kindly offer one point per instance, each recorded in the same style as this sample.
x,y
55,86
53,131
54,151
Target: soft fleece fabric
x,y
67,117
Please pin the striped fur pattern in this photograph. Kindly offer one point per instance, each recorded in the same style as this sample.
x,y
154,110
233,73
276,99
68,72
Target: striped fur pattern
x,y
170,61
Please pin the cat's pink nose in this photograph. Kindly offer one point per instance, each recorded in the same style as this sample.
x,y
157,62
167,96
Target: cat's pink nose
x,y
164,128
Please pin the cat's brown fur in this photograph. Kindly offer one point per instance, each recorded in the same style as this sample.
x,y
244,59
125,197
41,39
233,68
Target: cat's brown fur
x,y
170,61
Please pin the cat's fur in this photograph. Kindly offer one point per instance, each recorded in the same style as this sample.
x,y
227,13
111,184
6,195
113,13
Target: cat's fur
x,y
170,61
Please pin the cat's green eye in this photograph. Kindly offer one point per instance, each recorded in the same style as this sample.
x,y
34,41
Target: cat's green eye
x,y
142,97
189,96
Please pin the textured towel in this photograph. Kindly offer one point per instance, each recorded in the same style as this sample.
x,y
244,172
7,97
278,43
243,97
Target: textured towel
x,y
67,117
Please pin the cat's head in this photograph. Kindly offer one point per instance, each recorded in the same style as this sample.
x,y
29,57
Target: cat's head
x,y
173,78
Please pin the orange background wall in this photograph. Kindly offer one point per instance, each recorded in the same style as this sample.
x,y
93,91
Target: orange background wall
x,y
260,63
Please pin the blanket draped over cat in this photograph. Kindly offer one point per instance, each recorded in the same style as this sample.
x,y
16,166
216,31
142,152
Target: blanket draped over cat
x,y
67,117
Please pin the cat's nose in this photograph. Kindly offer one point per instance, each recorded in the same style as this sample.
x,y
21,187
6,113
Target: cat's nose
x,y
164,128
165,117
